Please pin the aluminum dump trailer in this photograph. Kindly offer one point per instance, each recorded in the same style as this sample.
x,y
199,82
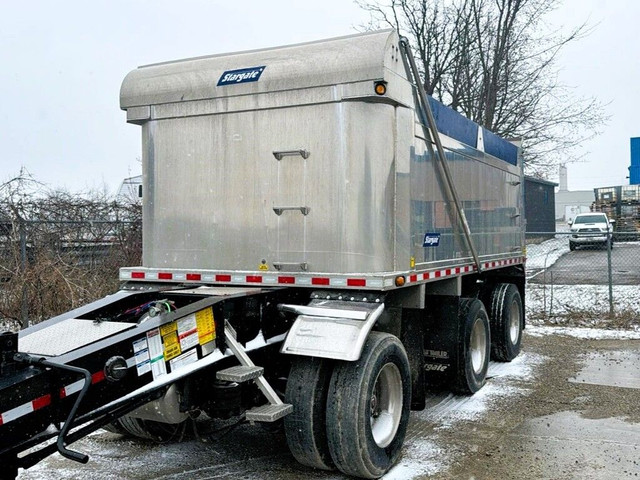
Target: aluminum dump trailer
x,y
310,216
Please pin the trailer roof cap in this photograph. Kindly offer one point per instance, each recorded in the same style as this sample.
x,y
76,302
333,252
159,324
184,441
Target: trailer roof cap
x,y
361,57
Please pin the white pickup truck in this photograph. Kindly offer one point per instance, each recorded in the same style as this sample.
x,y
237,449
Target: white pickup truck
x,y
588,229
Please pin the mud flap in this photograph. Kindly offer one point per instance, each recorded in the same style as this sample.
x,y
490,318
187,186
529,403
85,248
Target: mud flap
x,y
441,341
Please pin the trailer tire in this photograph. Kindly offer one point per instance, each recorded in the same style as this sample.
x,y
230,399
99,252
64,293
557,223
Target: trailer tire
x,y
369,410
475,347
148,429
305,427
506,318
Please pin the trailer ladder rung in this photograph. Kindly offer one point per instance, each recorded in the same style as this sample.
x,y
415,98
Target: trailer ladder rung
x,y
270,412
240,373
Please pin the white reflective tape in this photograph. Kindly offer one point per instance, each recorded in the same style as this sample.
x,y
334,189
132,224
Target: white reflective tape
x,y
17,412
75,387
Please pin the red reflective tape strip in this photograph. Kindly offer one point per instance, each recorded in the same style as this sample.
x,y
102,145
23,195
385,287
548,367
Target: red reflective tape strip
x,y
254,278
137,274
437,273
194,277
223,278
97,377
41,402
1,421
63,392
287,280
413,278
319,281
165,276
356,282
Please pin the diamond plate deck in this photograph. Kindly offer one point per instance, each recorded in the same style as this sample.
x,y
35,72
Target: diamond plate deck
x,y
68,335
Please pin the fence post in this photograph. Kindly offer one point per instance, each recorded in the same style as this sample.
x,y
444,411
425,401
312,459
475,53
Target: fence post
x,y
609,269
24,304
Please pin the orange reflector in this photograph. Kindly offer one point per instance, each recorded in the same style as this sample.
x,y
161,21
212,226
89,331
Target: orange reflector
x,y
380,88
400,281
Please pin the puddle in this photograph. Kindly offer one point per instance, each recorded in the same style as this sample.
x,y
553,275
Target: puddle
x,y
614,368
565,445
570,426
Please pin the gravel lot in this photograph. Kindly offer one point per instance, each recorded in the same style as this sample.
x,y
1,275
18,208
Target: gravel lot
x,y
551,413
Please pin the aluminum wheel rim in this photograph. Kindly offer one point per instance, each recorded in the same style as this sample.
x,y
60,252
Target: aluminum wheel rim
x,y
478,346
514,322
386,405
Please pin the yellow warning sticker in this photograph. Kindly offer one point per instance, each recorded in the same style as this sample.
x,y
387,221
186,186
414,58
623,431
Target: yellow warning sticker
x,y
263,266
206,326
168,328
171,345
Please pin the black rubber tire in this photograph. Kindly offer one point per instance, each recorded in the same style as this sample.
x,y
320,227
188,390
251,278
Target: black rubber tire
x,y
305,427
572,246
475,347
148,429
115,427
506,331
356,389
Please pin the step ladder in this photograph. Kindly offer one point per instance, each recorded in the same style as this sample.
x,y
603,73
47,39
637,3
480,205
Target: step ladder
x,y
247,371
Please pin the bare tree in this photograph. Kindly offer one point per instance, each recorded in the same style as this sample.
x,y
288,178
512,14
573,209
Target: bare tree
x,y
60,250
495,61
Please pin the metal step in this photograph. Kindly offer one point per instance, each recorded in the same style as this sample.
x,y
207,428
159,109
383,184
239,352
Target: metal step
x,y
269,413
240,373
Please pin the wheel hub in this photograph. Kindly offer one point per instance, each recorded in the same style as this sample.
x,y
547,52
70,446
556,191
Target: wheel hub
x,y
478,346
514,322
386,405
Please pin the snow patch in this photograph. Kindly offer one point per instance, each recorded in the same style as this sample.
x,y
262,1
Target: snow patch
x,y
563,299
423,454
545,254
419,459
584,333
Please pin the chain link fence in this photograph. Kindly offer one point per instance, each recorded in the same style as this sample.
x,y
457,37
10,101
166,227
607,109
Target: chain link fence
x,y
48,267
583,279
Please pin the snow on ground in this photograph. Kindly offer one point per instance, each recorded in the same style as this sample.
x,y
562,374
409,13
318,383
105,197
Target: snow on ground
x,y
424,452
545,254
556,303
584,333
589,301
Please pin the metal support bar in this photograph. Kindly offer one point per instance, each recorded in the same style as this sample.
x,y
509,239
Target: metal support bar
x,y
61,442
244,359
432,133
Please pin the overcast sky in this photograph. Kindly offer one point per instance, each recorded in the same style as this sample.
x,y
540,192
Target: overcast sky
x,y
62,64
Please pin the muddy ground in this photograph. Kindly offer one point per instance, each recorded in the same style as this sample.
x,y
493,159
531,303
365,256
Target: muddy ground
x,y
568,408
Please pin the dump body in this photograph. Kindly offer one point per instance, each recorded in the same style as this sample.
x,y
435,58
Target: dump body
x,y
286,160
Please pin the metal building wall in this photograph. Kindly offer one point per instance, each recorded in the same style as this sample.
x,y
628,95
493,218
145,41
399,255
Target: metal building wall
x,y
539,205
